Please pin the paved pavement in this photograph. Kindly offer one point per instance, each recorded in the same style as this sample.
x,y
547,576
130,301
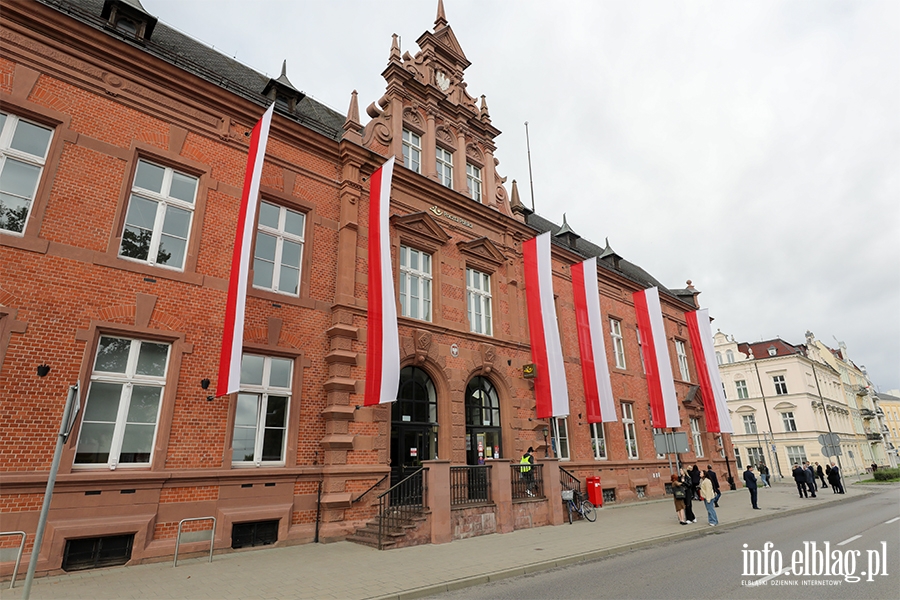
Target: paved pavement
x,y
346,570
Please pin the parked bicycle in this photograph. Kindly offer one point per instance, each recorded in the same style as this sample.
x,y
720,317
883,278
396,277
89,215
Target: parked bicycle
x,y
576,503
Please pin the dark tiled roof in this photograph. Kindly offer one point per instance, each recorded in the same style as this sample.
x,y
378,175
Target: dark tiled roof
x,y
588,249
194,57
760,350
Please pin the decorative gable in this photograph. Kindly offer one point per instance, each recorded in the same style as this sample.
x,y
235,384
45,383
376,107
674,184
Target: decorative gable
x,y
422,228
483,250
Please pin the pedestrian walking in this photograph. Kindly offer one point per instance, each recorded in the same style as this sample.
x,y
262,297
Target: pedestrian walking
x,y
821,475
874,467
707,495
828,476
800,479
715,482
764,474
810,479
750,482
835,479
525,470
679,493
685,479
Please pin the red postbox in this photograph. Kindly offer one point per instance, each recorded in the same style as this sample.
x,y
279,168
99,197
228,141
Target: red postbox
x,y
595,492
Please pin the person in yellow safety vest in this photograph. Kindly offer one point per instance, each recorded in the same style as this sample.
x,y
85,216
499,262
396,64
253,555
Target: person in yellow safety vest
x,y
526,471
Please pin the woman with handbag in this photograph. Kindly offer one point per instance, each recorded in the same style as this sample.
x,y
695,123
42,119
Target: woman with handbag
x,y
688,498
679,492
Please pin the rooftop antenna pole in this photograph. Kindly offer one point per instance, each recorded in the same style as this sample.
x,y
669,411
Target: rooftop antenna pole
x,y
530,181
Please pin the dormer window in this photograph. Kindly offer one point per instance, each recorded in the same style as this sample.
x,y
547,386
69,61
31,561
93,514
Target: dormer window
x,y
772,351
130,18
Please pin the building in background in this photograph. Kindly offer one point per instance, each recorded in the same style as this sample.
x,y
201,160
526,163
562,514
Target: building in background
x,y
124,145
781,400
888,404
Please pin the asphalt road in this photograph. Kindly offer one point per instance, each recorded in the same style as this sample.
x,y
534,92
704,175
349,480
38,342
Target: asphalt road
x,y
862,536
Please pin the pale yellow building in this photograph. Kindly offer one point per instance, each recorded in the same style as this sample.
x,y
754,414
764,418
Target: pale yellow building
x,y
889,404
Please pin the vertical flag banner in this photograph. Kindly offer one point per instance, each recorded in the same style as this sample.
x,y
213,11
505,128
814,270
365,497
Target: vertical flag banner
x,y
598,393
233,334
382,337
663,401
717,419
550,389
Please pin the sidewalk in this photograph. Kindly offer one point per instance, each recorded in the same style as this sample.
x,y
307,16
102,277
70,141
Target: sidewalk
x,y
347,570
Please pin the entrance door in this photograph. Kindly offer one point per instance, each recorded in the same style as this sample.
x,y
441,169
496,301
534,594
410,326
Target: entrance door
x,y
413,423
483,439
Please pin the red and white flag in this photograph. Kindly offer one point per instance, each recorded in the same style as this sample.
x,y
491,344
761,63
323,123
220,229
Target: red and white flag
x,y
663,402
551,393
233,334
717,419
382,337
598,393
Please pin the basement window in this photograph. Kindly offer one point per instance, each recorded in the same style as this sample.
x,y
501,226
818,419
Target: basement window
x,y
94,553
255,533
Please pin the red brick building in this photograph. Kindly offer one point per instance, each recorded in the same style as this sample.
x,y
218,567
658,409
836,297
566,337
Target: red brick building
x,y
124,144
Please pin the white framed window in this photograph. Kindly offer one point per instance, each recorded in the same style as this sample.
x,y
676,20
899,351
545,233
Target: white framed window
x,y
682,361
415,284
23,153
278,254
473,179
796,455
444,166
412,151
780,385
641,350
158,221
615,331
721,443
729,356
737,458
787,418
631,446
561,437
598,441
718,358
478,300
749,423
261,414
755,456
741,386
698,437
123,403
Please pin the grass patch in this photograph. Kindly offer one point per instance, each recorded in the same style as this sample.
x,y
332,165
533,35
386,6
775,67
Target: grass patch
x,y
877,481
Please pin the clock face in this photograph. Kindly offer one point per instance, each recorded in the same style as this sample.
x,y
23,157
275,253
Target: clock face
x,y
442,80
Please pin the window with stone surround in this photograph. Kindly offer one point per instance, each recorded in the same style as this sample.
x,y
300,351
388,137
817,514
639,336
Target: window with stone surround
x,y
749,423
698,437
478,301
158,220
741,386
598,441
415,283
615,332
780,385
560,437
473,180
682,361
412,151
278,252
787,418
123,403
261,413
23,154
444,160
631,445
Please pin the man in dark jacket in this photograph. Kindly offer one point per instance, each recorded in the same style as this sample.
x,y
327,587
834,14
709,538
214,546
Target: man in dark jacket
x,y
714,479
810,479
750,482
834,478
820,474
695,482
800,479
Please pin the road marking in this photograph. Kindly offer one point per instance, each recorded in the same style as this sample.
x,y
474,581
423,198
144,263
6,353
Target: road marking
x,y
892,520
848,540
772,576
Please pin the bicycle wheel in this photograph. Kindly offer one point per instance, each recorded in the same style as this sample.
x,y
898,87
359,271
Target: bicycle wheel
x,y
587,509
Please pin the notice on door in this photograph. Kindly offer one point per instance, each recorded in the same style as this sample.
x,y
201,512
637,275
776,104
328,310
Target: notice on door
x,y
413,451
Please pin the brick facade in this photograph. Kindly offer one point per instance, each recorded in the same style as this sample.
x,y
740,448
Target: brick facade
x,y
112,103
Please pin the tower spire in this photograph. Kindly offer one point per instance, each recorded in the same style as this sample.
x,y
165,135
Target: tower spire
x,y
441,19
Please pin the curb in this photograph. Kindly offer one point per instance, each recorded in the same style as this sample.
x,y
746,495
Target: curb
x,y
546,565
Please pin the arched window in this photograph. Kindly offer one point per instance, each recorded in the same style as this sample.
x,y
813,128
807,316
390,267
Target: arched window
x,y
729,356
416,398
413,423
482,421
718,358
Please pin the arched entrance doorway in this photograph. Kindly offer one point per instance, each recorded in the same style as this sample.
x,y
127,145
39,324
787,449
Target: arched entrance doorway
x,y
483,435
413,423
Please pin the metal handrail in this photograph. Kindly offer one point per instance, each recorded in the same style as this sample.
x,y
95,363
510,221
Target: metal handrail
x,y
569,481
212,536
379,482
400,503
527,481
18,556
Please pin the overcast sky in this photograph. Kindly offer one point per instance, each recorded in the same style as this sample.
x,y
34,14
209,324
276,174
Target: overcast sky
x,y
752,147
